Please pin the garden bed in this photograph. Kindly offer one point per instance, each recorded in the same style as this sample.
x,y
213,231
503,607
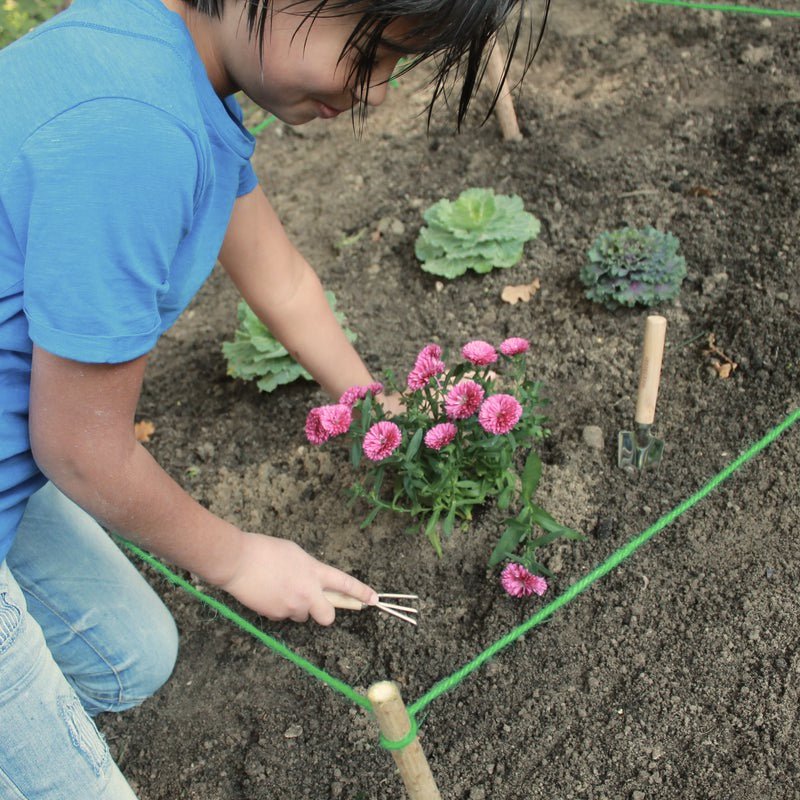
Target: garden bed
x,y
676,676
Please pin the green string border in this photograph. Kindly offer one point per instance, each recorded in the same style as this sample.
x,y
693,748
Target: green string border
x,y
450,682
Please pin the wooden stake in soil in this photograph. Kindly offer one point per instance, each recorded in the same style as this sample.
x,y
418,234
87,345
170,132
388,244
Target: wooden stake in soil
x,y
504,109
392,717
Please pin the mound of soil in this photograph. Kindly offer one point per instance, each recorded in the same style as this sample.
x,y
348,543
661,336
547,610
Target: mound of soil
x,y
676,676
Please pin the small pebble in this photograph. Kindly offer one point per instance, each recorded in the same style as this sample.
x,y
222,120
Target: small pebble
x,y
593,437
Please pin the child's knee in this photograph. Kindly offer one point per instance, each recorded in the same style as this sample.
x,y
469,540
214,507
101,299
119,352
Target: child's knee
x,y
135,674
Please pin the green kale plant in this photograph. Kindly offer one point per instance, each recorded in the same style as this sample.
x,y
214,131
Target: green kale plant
x,y
479,231
255,354
633,265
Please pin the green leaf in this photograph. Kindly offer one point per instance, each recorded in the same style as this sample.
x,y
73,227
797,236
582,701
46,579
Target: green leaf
x,y
413,445
509,541
544,520
531,474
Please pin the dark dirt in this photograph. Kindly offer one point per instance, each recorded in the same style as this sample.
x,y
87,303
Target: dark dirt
x,y
678,675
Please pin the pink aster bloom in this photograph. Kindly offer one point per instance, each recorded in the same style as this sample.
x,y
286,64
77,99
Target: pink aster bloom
x,y
440,436
335,419
315,431
499,413
430,351
427,367
479,353
514,346
381,440
518,582
463,400
356,393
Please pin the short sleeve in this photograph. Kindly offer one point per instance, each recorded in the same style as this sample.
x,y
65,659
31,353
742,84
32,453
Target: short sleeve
x,y
104,194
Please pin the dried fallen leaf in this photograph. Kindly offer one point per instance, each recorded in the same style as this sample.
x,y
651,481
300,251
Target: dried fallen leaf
x,y
143,430
723,370
721,363
523,292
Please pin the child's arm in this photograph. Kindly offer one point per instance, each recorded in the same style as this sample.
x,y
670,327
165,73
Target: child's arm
x,y
286,294
81,424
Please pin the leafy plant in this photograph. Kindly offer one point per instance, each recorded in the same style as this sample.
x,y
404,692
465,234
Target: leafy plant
x,y
454,446
633,265
255,354
479,231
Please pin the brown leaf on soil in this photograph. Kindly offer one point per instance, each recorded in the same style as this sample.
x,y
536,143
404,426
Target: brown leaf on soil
x,y
143,430
523,292
701,191
724,366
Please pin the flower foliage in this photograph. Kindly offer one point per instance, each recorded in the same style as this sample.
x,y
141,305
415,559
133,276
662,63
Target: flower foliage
x,y
478,231
631,265
255,354
454,447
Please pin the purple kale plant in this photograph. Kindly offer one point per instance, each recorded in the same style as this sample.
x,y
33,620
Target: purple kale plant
x,y
631,266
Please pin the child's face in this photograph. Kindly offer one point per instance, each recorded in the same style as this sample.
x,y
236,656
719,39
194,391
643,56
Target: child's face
x,y
301,76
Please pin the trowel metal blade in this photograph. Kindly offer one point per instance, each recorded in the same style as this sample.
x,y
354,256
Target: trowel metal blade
x,y
639,449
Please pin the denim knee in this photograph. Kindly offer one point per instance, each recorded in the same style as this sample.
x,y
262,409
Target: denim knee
x,y
137,672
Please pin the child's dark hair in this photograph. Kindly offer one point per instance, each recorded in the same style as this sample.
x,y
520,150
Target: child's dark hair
x,y
454,34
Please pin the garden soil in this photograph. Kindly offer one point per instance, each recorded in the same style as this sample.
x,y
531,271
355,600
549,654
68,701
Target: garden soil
x,y
675,676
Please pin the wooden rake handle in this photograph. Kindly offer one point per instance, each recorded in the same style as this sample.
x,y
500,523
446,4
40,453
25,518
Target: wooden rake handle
x,y
655,333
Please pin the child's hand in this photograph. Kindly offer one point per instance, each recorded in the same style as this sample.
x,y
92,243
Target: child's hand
x,y
279,580
392,403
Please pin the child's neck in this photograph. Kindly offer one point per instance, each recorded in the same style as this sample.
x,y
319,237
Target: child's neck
x,y
202,29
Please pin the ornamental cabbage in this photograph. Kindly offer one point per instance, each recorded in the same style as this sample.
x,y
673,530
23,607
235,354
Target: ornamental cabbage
x,y
479,231
630,265
256,354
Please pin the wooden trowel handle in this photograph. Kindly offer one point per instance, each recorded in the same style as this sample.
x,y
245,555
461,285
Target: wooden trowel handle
x,y
655,332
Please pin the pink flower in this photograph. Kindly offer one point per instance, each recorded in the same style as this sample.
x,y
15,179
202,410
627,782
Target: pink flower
x,y
479,353
429,351
518,582
514,346
356,393
463,399
315,431
499,413
427,367
381,440
335,419
440,436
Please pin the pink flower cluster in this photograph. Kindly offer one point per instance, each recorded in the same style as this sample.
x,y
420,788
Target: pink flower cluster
x,y
326,421
356,393
463,400
519,582
514,346
381,440
428,365
499,413
440,435
479,353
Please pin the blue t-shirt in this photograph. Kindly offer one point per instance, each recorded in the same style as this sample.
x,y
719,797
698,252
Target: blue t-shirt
x,y
119,167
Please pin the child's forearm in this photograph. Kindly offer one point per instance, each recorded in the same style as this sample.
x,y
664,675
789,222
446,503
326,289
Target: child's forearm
x,y
306,326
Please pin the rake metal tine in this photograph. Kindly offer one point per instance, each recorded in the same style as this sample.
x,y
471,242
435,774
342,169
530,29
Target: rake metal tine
x,y
399,596
399,608
397,614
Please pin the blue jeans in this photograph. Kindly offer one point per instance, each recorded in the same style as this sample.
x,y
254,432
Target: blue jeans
x,y
81,632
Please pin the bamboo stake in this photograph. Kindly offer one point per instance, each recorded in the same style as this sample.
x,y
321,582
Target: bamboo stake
x,y
412,765
504,108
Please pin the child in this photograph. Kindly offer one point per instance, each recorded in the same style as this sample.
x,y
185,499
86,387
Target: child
x,y
124,174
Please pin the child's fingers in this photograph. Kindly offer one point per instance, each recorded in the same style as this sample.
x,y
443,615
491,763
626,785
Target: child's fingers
x,y
322,611
332,578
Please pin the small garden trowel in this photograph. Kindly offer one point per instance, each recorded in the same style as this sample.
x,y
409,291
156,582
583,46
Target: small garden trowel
x,y
639,449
